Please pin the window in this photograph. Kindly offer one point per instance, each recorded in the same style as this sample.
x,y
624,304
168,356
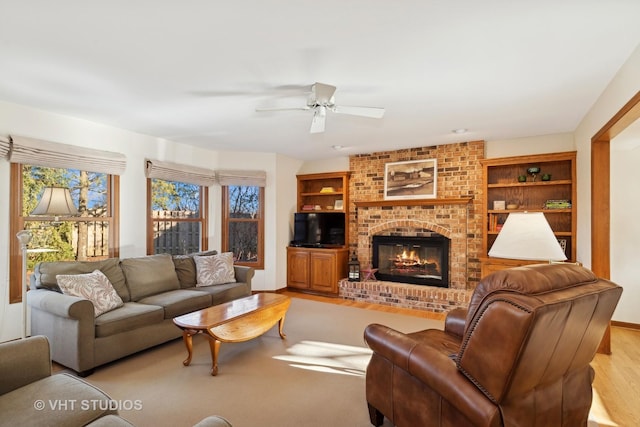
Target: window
x,y
90,235
243,224
177,217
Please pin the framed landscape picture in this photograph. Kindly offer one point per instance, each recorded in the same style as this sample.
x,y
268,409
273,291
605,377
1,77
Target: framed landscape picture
x,y
413,179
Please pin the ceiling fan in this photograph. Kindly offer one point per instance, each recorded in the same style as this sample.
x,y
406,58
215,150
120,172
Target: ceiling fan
x,y
321,99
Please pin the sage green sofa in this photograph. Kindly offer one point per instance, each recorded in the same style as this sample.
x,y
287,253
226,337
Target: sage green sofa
x,y
154,289
31,396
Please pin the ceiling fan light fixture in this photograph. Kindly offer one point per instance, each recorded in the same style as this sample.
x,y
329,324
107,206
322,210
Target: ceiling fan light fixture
x,y
321,99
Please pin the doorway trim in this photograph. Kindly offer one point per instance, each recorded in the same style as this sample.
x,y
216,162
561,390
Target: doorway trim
x,y
601,192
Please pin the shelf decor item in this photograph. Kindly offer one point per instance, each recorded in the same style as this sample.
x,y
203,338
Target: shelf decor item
x,y
414,179
546,177
557,204
522,178
338,205
534,171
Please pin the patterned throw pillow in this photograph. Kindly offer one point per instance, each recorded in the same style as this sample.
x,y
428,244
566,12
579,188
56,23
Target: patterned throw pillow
x,y
215,269
94,286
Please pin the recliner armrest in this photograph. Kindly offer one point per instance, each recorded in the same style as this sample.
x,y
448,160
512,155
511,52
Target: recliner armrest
x,y
432,367
455,322
441,374
390,344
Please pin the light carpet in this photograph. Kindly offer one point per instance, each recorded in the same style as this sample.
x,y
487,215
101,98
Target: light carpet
x,y
315,377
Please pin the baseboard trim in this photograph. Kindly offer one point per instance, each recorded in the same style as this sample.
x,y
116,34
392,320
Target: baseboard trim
x,y
625,325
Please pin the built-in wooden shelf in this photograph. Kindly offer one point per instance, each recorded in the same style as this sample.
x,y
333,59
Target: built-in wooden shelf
x,y
412,202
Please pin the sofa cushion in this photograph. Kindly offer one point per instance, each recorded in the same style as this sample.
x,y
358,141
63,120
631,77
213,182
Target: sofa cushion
x,y
214,269
94,286
186,268
149,275
36,404
179,302
130,316
45,273
227,292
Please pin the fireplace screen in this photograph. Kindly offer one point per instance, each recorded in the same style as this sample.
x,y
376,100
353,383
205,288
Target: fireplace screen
x,y
416,260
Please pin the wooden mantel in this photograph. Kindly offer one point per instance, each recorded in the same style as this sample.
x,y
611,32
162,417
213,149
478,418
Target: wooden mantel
x,y
412,202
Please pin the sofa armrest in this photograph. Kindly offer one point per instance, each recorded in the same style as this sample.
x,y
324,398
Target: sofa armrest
x,y
69,324
244,274
455,322
60,304
23,362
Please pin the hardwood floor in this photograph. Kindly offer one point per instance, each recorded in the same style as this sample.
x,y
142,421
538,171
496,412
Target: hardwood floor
x,y
617,382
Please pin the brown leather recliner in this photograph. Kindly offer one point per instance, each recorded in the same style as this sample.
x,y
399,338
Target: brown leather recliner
x,y
518,356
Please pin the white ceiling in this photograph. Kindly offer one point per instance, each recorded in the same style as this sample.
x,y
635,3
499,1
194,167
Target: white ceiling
x,y
194,71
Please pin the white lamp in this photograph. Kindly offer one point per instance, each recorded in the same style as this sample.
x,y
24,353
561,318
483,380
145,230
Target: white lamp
x,y
527,236
55,202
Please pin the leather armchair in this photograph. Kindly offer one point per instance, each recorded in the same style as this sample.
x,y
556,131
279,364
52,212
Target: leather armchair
x,y
518,356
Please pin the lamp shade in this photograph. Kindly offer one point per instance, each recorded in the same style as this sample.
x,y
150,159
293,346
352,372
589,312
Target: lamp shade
x,y
56,202
527,236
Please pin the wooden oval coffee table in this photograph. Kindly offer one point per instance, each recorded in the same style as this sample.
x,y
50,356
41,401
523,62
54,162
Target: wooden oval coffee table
x,y
235,321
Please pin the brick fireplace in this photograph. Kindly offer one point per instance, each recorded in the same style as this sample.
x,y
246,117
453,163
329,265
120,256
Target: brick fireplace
x,y
455,213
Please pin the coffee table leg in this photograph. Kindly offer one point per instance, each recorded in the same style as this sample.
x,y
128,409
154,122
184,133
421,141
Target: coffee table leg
x,y
280,326
214,344
188,341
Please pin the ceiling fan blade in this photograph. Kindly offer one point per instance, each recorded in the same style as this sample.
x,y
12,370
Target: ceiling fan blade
x,y
373,112
318,121
323,93
260,110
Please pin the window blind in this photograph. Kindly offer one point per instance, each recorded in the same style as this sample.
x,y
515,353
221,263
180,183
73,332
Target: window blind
x,y
180,173
239,177
4,147
37,152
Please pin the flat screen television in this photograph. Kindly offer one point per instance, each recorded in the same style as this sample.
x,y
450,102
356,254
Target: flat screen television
x,y
318,229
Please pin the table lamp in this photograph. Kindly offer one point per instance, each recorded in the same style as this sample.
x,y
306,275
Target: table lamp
x,y
527,236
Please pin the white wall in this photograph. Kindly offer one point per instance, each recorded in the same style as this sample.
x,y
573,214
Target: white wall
x,y
542,144
338,164
625,231
19,120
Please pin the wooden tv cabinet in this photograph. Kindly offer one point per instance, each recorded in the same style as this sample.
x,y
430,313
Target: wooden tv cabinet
x,y
316,270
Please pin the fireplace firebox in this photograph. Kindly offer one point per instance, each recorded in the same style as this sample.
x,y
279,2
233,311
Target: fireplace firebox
x,y
417,260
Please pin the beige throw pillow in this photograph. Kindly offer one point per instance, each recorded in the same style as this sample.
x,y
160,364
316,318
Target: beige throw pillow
x,y
94,286
215,269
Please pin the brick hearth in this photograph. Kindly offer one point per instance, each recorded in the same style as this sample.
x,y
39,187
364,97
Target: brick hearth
x,y
404,295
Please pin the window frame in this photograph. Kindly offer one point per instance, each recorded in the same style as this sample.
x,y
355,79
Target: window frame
x,y
226,220
202,219
17,222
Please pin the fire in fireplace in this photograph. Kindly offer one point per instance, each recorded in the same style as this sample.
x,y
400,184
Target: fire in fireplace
x,y
416,260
